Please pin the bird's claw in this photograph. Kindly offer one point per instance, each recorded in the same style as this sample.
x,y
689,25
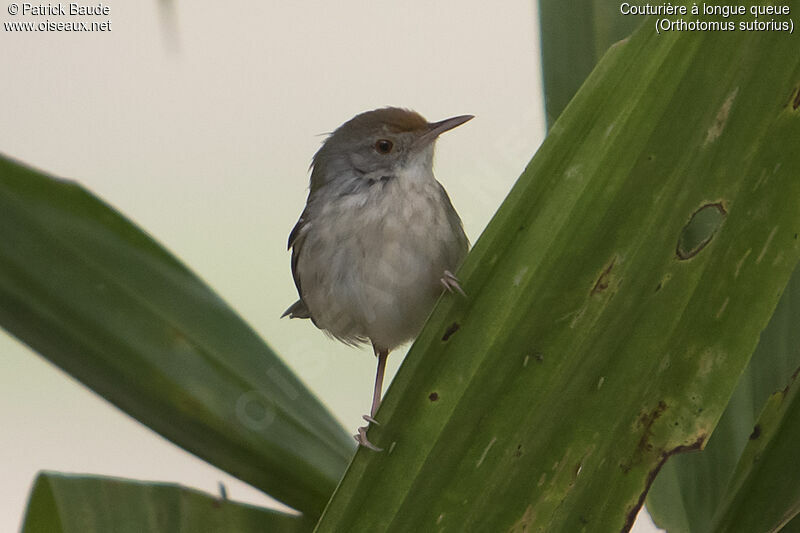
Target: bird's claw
x,y
362,440
371,420
450,282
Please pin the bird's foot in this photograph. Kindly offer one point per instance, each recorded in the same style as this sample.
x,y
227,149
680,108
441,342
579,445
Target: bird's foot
x,y
371,420
450,282
362,440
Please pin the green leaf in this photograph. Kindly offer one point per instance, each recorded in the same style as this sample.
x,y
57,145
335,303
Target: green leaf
x,y
689,489
92,293
764,493
63,503
589,350
575,34
793,526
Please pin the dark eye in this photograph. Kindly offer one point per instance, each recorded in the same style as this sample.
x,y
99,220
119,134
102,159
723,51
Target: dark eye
x,y
383,146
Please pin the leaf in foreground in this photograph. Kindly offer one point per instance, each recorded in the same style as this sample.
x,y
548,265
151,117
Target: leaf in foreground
x,y
95,295
62,503
599,338
689,489
764,493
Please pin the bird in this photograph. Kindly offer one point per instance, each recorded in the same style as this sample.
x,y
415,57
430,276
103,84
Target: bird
x,y
379,240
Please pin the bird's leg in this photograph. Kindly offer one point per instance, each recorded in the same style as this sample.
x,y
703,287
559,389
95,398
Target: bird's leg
x,y
361,437
383,355
450,282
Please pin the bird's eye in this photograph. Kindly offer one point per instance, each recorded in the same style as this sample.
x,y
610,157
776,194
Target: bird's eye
x,y
383,146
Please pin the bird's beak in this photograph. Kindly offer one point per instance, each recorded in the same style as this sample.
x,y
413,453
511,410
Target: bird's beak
x,y
437,128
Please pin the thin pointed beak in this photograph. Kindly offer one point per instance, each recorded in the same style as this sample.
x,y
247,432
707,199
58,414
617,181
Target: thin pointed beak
x,y
437,128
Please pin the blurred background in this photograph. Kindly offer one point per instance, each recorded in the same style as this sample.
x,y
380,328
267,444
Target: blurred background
x,y
198,121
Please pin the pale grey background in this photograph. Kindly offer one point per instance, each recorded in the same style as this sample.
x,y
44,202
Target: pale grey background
x,y
199,124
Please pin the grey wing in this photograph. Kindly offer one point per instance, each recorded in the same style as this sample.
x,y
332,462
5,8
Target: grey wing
x,y
296,238
457,228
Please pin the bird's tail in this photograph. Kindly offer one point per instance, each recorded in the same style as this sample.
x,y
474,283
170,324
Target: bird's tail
x,y
297,310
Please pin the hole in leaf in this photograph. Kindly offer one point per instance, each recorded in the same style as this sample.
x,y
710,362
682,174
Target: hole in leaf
x,y
700,229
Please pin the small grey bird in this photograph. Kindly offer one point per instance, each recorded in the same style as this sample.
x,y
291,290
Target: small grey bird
x,y
379,239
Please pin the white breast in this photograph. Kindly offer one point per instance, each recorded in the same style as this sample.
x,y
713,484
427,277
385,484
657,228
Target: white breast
x,y
371,262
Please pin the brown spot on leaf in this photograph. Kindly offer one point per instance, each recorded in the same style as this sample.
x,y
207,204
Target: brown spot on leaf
x,y
603,280
651,476
452,328
795,99
646,421
433,396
